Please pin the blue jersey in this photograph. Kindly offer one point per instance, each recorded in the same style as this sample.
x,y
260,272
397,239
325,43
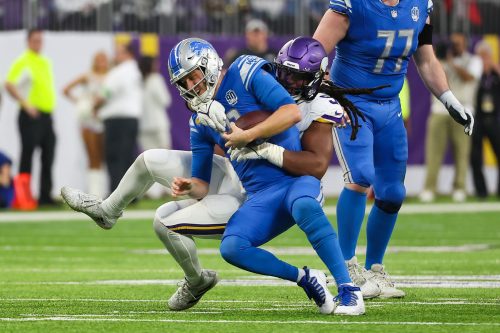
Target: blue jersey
x,y
247,86
378,44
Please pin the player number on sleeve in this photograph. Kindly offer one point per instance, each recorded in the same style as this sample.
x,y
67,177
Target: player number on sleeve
x,y
390,36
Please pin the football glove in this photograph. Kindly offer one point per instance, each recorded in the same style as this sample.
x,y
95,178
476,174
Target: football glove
x,y
265,151
458,112
212,114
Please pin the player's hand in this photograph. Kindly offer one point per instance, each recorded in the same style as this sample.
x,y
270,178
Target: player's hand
x,y
237,138
212,114
181,186
30,110
458,112
268,151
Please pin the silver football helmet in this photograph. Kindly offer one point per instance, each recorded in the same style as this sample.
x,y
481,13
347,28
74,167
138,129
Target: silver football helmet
x,y
188,55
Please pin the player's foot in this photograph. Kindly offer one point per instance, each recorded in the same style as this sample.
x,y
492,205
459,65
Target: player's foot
x,y
314,284
188,295
88,204
360,276
349,301
383,280
459,196
426,196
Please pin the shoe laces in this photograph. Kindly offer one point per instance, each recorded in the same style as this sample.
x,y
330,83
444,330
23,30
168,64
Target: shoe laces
x,y
184,291
313,288
346,296
356,274
382,278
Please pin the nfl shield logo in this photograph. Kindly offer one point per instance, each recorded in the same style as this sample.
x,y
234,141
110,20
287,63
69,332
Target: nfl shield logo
x,y
231,97
415,13
394,13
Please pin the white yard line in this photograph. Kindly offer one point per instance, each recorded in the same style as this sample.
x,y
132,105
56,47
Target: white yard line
x,y
265,322
405,282
7,217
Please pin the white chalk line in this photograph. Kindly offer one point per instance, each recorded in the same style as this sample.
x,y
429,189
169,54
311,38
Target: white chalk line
x,y
265,322
61,216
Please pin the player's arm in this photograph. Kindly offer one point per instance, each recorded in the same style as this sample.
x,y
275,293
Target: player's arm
x,y
71,85
273,97
15,74
317,149
331,29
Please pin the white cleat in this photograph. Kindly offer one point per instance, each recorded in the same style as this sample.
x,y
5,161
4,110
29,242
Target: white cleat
x,y
349,301
314,284
188,295
360,276
383,280
88,204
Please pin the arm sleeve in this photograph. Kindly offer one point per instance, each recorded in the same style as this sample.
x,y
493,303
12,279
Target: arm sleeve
x,y
202,150
16,71
343,7
268,91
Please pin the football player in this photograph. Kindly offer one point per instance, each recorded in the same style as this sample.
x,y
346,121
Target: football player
x,y
374,41
177,222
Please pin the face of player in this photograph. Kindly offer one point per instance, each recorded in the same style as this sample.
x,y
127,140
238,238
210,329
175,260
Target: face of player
x,y
35,42
194,81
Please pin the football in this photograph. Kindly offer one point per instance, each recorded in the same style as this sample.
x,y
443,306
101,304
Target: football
x,y
251,119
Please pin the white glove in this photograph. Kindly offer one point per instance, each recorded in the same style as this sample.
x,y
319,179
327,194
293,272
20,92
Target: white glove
x,y
266,151
458,112
212,114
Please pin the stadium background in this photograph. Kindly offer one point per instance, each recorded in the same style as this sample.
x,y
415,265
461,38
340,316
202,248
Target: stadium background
x,y
75,33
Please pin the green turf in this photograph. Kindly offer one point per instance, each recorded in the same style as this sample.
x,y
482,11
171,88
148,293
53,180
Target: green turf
x,y
44,268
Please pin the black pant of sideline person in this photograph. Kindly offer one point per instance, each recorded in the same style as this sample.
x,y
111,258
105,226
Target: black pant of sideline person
x,y
38,132
486,126
120,143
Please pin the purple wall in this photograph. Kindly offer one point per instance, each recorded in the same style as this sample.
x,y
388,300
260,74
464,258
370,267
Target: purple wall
x,y
179,115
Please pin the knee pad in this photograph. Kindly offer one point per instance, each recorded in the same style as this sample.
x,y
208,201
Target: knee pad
x,y
363,175
390,198
165,210
232,249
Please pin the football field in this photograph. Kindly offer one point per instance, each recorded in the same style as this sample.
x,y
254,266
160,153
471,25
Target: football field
x,y
59,272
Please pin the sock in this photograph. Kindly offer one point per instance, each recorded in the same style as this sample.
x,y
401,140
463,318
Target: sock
x,y
310,217
136,181
239,252
350,215
302,273
378,232
182,249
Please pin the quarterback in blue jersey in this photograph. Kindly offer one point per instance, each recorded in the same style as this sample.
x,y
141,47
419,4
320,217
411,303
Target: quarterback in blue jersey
x,y
374,41
275,199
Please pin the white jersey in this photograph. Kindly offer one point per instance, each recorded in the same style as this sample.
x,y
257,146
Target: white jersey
x,y
322,108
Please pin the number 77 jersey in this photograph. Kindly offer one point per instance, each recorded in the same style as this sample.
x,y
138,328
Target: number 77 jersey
x,y
378,44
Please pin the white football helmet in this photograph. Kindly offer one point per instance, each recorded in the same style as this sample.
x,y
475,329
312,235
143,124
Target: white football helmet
x,y
188,55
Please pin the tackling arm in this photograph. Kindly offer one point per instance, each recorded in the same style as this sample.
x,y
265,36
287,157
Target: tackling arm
x,y
317,149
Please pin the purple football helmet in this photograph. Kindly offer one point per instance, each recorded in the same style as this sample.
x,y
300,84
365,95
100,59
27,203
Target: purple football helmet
x,y
301,65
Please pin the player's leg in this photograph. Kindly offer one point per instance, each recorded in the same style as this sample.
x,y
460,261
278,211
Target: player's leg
x,y
356,160
254,224
303,201
390,157
176,223
159,165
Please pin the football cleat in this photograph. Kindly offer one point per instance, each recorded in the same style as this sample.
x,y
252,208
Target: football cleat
x,y
360,276
314,284
88,204
188,295
349,301
384,282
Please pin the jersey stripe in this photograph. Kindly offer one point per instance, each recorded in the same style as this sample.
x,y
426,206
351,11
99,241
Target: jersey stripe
x,y
341,6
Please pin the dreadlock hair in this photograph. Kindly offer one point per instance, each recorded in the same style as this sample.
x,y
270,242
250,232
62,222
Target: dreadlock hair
x,y
329,88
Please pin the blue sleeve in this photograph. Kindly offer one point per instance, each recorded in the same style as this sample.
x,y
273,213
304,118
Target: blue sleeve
x,y
343,7
268,91
202,149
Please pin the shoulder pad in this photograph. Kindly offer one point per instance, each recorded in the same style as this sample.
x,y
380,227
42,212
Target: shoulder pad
x,y
247,66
